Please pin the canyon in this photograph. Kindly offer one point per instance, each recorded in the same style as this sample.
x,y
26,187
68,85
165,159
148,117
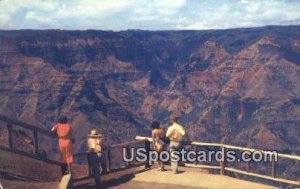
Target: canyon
x,y
236,86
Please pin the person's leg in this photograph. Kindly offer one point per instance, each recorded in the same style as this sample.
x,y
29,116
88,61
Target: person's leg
x,y
173,162
162,167
160,163
96,175
66,150
100,156
103,162
89,164
94,163
70,168
174,166
64,168
174,158
64,157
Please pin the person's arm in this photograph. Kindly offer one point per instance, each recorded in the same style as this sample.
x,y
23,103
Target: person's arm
x,y
101,141
91,145
98,145
163,133
71,131
169,132
54,128
182,130
153,134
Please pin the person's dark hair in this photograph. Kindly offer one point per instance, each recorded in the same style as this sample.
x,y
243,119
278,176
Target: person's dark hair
x,y
174,119
63,120
155,125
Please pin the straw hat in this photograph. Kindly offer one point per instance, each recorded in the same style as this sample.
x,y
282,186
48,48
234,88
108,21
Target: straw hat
x,y
94,133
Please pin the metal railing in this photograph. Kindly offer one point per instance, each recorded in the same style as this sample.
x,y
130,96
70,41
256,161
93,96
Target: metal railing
x,y
222,164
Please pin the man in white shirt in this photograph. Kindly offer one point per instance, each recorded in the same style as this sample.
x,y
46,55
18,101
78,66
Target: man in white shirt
x,y
175,133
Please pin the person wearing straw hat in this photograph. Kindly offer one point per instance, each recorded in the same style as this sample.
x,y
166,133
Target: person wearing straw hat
x,y
95,141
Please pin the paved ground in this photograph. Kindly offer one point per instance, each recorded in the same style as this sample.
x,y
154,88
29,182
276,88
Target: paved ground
x,y
189,178
157,179
138,178
16,184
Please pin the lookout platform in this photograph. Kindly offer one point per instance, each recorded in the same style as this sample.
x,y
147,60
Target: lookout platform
x,y
30,169
153,179
187,179
140,177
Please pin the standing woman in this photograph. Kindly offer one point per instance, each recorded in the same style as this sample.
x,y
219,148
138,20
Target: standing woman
x,y
64,131
158,134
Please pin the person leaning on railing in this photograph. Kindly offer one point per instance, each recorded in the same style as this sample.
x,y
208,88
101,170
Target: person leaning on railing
x,y
64,132
95,157
175,133
158,135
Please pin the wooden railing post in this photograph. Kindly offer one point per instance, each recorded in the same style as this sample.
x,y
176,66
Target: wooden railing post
x,y
36,142
222,163
147,147
195,148
10,139
108,161
89,164
248,166
273,167
128,154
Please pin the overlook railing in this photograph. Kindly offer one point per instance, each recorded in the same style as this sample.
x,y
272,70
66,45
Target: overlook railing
x,y
142,142
36,132
222,164
13,126
109,156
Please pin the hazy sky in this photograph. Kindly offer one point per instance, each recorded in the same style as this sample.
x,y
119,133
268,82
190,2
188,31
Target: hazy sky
x,y
146,14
